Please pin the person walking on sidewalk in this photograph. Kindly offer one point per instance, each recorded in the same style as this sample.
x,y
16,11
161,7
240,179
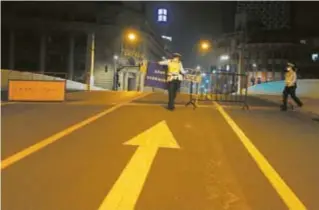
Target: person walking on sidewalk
x,y
291,86
174,77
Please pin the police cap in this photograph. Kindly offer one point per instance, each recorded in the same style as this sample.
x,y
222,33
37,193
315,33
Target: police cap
x,y
176,55
290,64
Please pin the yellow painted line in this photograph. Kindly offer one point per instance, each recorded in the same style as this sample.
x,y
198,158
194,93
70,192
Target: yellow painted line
x,y
284,191
65,103
126,190
32,102
7,103
42,144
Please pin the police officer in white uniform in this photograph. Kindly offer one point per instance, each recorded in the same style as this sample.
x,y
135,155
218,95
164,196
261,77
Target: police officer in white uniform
x,y
175,73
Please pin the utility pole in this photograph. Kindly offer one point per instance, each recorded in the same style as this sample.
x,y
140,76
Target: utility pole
x,y
92,61
90,82
241,54
115,76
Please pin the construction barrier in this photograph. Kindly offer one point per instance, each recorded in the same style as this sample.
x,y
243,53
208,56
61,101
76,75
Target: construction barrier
x,y
36,90
218,86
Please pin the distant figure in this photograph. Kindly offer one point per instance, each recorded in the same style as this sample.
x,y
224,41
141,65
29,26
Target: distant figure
x,y
253,80
174,77
291,86
131,61
259,80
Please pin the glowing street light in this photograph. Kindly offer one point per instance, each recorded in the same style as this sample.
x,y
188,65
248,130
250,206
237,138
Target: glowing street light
x,y
198,68
131,36
115,57
205,46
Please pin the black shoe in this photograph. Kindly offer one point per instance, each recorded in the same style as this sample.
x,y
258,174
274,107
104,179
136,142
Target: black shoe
x,y
283,108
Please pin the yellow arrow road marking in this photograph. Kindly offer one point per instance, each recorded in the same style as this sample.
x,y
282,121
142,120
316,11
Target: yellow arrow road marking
x,y
126,190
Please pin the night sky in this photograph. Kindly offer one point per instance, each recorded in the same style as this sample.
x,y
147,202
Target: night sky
x,y
191,21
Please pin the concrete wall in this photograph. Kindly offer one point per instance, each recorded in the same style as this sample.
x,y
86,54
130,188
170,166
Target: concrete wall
x,y
306,88
11,74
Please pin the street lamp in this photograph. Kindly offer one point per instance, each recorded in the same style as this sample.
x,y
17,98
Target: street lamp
x,y
204,45
131,36
198,68
115,58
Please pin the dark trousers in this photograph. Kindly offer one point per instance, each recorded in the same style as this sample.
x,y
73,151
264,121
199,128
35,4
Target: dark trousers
x,y
292,92
173,87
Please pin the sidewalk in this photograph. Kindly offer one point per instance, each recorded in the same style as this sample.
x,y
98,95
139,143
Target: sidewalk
x,y
311,105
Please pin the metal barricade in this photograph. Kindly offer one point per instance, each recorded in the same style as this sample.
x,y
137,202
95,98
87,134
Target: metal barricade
x,y
219,86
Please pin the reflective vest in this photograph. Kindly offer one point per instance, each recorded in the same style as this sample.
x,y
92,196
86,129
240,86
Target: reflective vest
x,y
291,79
174,67
143,67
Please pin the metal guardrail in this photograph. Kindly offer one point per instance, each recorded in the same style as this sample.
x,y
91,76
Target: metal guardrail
x,y
219,86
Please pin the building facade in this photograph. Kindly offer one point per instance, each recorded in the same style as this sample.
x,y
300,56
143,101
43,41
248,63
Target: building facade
x,y
267,15
59,39
266,56
266,38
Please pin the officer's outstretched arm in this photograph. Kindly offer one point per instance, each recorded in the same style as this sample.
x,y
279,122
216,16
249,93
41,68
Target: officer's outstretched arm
x,y
163,63
183,71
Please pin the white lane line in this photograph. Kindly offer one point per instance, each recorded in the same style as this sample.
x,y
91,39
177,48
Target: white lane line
x,y
284,191
42,144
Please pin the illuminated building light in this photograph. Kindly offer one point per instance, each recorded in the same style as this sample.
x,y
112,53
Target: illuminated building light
x,y
162,15
224,57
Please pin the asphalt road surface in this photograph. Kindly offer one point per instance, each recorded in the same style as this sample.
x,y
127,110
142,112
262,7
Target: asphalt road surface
x,y
109,151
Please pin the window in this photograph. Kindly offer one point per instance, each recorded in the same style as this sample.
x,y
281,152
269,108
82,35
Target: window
x,y
162,15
